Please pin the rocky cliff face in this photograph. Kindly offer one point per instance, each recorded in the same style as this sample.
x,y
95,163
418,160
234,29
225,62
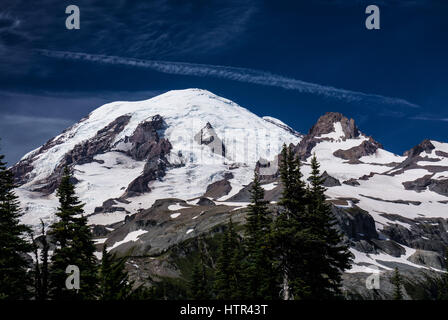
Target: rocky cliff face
x,y
147,145
334,126
80,154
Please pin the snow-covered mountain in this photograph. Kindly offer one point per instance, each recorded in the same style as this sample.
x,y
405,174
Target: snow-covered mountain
x,y
407,196
173,145
157,172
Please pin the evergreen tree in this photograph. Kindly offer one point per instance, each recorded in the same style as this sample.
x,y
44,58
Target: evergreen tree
x,y
114,279
329,257
228,281
74,246
15,281
259,273
199,285
397,282
290,229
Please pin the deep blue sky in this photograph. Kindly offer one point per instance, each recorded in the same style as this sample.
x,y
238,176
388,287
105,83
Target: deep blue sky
x,y
324,43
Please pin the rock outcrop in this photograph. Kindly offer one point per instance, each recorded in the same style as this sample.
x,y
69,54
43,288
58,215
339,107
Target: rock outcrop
x,y
366,148
82,153
207,136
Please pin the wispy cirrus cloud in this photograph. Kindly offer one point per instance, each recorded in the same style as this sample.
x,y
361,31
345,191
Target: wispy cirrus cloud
x,y
430,118
232,73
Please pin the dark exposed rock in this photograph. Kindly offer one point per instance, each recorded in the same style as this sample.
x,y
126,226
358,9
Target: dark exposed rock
x,y
396,217
415,203
164,232
351,182
154,170
109,203
148,145
441,154
439,186
366,148
145,144
99,231
364,246
219,188
367,176
109,209
22,169
354,200
205,202
84,153
108,206
419,184
325,125
425,145
146,141
328,181
414,155
428,258
426,233
355,223
389,247
304,148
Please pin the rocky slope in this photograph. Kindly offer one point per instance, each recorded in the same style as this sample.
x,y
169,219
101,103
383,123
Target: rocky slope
x,y
157,173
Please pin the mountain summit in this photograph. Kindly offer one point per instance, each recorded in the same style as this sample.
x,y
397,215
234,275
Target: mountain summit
x,y
173,145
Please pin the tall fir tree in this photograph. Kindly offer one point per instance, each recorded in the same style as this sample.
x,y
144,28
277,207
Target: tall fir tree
x,y
114,283
74,246
15,280
329,257
199,289
290,231
397,282
228,278
259,273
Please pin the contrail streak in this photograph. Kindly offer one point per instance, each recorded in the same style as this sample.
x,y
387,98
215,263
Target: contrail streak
x,y
232,73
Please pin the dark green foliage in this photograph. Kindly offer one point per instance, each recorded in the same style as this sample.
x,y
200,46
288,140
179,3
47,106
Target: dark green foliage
x,y
114,281
168,289
311,256
74,246
397,282
259,272
290,232
199,285
229,279
15,281
329,257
